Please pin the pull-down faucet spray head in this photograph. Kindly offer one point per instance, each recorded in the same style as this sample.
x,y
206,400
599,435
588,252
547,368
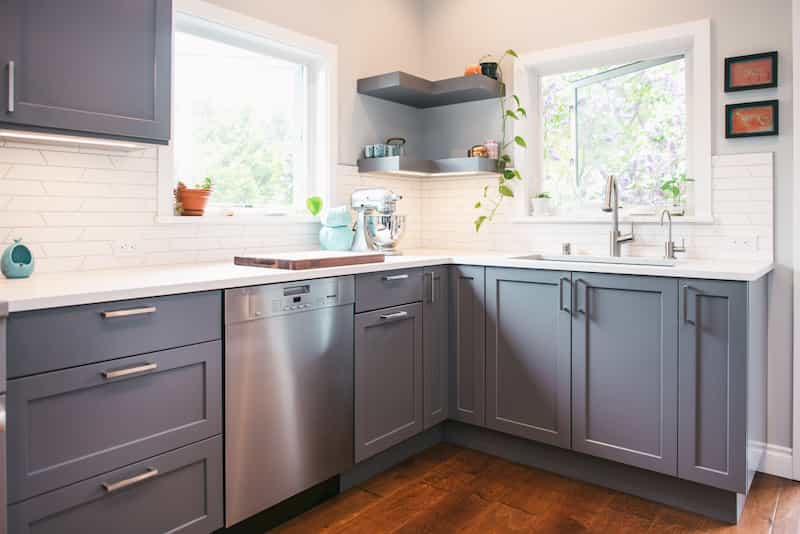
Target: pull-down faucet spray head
x,y
608,191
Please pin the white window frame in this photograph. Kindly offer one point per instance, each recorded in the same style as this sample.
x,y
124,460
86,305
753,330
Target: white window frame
x,y
692,40
321,61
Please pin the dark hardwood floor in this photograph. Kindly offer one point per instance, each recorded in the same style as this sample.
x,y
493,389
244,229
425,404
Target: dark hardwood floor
x,y
448,489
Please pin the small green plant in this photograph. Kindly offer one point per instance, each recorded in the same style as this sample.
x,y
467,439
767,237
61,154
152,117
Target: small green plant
x,y
206,184
673,188
543,194
510,109
314,205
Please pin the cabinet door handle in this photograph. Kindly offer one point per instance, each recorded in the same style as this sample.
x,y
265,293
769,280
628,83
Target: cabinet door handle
x,y
393,277
467,277
129,312
110,375
11,97
686,289
561,294
111,487
390,316
578,309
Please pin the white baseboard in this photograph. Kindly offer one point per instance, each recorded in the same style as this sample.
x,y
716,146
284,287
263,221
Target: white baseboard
x,y
778,461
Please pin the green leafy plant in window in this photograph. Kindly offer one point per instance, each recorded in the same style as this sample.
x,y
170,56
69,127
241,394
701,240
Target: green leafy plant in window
x,y
314,205
492,198
673,188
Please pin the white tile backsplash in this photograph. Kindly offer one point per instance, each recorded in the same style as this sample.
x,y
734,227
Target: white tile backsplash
x,y
75,206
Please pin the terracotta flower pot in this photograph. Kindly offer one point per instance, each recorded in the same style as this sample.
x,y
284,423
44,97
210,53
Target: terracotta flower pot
x,y
193,201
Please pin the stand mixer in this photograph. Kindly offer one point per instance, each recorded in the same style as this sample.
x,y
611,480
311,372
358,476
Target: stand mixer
x,y
378,227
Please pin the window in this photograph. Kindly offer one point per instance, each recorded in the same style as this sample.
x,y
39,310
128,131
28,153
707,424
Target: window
x,y
240,120
636,105
625,120
253,110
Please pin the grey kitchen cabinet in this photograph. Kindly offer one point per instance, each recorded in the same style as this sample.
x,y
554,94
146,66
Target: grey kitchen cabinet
x,y
625,369
722,381
384,289
388,378
96,67
528,354
177,492
467,344
435,344
76,423
79,335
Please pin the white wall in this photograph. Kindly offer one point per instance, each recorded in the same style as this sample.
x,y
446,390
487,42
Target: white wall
x,y
454,39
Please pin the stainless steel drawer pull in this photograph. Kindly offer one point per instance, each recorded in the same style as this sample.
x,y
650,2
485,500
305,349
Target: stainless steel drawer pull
x,y
393,277
116,486
11,87
110,375
129,312
398,315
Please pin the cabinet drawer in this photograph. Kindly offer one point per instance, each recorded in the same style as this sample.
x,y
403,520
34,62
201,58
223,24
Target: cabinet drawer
x,y
388,288
74,424
46,340
180,491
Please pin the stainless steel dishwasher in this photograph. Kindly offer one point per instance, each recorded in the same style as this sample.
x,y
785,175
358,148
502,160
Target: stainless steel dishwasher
x,y
288,390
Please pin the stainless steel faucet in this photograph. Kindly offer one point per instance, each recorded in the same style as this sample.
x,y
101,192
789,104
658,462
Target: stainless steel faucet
x,y
611,204
670,248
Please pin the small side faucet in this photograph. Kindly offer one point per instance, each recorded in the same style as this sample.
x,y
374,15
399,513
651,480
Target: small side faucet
x,y
670,248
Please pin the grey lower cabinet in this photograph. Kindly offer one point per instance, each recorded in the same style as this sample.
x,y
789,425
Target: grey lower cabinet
x,y
625,369
388,378
528,360
467,344
722,381
177,492
73,424
435,344
97,67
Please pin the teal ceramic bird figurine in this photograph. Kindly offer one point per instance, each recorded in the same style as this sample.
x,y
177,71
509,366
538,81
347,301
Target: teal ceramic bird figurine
x,y
17,260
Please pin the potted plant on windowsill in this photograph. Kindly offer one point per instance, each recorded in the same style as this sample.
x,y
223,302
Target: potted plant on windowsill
x,y
540,204
674,191
192,201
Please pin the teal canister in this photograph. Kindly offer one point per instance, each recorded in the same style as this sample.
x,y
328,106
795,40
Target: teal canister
x,y
17,260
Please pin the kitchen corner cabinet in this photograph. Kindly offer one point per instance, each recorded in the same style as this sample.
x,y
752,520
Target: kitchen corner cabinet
x,y
625,369
467,344
722,381
92,67
528,324
435,343
388,378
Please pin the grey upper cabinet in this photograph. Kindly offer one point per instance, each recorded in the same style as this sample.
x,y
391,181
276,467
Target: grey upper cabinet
x,y
97,67
388,378
528,368
625,369
435,345
467,344
713,383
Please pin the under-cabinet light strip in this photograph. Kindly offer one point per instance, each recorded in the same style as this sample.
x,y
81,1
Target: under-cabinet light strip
x,y
10,134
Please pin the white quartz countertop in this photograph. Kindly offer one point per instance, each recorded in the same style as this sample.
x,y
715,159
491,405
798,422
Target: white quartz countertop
x,y
43,291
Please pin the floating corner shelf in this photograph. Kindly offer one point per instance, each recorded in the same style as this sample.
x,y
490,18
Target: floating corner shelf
x,y
405,166
409,90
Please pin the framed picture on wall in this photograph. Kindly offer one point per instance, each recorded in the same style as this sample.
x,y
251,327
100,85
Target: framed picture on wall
x,y
756,71
751,119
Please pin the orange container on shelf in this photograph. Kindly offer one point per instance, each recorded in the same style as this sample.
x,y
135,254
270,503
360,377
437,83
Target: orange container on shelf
x,y
472,70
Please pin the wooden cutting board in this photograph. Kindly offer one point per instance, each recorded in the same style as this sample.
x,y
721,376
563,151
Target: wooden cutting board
x,y
297,261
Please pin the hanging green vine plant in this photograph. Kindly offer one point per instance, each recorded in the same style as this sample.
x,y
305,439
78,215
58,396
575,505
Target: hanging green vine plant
x,y
510,109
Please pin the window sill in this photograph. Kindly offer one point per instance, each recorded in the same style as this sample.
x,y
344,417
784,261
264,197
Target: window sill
x,y
238,219
644,219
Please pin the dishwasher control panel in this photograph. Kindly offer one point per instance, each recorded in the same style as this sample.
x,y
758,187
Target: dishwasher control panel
x,y
293,297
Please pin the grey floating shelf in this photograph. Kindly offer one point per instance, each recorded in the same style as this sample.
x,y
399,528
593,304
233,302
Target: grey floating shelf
x,y
403,165
409,90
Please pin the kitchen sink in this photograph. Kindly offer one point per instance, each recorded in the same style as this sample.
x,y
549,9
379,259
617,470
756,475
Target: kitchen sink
x,y
629,260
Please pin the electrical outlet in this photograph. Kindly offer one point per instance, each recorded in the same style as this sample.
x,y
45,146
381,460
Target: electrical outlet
x,y
747,243
122,248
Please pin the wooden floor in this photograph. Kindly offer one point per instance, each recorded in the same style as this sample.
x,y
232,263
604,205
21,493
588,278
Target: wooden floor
x,y
448,489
